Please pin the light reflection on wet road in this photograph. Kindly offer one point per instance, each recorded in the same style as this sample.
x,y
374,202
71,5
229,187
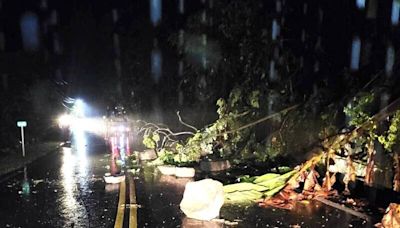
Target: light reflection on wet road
x,y
71,208
66,189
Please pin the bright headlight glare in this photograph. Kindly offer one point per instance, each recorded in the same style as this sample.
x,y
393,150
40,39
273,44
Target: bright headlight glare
x,y
65,120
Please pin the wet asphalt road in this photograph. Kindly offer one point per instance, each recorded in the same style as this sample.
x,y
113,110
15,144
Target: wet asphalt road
x,y
160,195
63,189
66,189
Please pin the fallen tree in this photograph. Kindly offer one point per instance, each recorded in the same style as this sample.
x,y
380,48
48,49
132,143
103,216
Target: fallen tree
x,y
325,154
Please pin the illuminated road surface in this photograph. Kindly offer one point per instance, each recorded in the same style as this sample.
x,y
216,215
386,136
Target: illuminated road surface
x,y
66,189
63,189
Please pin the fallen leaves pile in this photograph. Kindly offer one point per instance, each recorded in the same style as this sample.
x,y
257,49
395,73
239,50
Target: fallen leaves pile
x,y
256,188
301,184
391,219
283,190
292,192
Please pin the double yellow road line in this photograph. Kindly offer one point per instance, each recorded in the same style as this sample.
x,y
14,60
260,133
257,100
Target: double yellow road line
x,y
119,221
133,203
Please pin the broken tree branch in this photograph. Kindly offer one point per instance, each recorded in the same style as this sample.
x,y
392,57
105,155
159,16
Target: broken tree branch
x,y
258,121
185,124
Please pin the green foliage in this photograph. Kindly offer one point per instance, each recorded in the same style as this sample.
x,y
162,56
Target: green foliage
x,y
166,156
221,139
327,118
238,31
254,99
221,103
150,140
271,150
253,188
356,109
234,97
247,178
389,138
178,156
236,35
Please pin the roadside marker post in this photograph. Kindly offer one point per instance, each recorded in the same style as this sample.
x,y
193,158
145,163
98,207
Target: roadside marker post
x,y
22,124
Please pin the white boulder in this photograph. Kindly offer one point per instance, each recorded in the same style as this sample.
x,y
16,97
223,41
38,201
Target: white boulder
x,y
202,199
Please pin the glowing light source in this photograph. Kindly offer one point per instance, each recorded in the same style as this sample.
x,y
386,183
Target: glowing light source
x,y
78,123
65,120
79,108
92,125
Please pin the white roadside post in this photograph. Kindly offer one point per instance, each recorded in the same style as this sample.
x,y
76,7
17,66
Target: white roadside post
x,y
22,124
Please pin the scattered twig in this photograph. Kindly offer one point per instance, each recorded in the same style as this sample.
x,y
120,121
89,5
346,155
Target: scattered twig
x,y
185,124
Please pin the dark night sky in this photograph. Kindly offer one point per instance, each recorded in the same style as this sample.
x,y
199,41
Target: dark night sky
x,y
83,64
85,30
